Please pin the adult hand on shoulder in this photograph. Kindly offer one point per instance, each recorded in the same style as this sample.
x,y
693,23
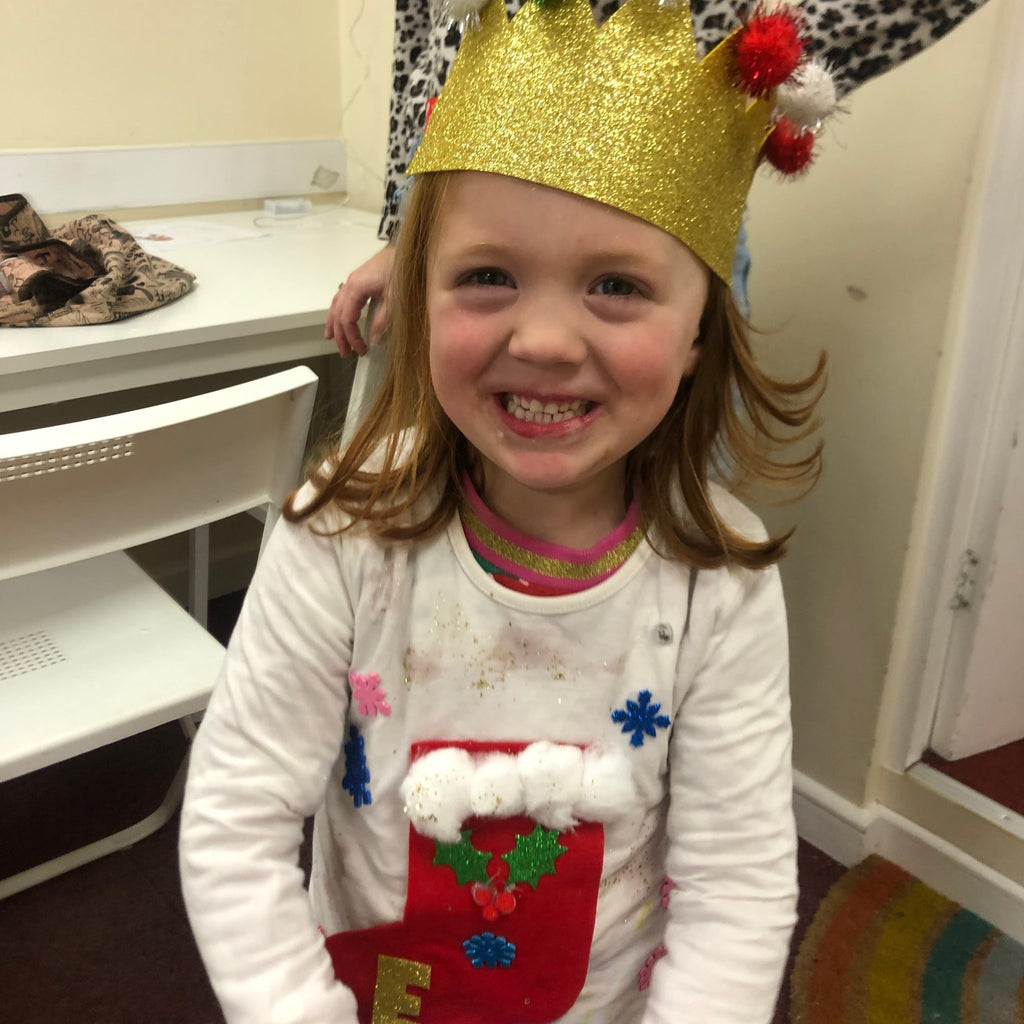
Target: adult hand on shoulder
x,y
369,281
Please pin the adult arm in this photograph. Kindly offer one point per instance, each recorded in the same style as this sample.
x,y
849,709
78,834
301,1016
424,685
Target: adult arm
x,y
732,838
367,282
423,51
259,767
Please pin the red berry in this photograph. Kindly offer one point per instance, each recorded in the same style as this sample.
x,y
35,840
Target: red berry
x,y
491,913
505,902
481,895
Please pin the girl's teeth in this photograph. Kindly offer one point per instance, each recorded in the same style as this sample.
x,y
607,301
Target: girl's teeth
x,y
533,411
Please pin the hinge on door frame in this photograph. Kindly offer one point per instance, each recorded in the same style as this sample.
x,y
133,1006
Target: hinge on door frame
x,y
963,593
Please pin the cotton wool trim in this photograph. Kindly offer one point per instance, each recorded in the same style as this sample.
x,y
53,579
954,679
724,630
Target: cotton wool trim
x,y
556,784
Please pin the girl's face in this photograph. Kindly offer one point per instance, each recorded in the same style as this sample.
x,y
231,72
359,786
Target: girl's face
x,y
560,329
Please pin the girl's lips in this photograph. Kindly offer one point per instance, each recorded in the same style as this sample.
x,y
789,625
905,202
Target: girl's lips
x,y
534,417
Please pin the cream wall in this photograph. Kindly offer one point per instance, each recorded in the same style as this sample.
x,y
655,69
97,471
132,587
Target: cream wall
x,y
859,258
203,71
366,30
107,73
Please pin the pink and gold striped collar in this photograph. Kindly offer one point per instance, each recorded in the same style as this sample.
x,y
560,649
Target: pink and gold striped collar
x,y
527,564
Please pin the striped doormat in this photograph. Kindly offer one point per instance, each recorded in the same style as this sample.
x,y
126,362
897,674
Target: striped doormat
x,y
883,948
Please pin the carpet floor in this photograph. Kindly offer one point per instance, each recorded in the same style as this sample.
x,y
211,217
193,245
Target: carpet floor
x,y
884,947
997,774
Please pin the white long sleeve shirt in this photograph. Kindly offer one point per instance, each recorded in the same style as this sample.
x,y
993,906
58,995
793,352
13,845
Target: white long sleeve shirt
x,y
459,658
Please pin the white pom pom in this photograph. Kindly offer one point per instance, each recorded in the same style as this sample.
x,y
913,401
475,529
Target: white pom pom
x,y
552,775
496,790
436,793
809,97
608,788
458,10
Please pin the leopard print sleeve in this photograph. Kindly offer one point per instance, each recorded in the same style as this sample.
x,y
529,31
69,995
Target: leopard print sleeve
x,y
413,42
858,39
861,39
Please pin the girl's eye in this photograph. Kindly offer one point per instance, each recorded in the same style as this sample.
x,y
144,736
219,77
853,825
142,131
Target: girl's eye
x,y
488,277
616,286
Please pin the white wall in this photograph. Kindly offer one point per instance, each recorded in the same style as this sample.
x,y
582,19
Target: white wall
x,y
962,496
858,259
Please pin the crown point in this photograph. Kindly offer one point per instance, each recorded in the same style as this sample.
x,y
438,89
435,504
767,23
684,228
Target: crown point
x,y
768,49
790,146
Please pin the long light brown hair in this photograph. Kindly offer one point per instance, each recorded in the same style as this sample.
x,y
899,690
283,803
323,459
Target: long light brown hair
x,y
729,421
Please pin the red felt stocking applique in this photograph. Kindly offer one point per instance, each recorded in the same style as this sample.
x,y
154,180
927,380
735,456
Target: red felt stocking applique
x,y
497,928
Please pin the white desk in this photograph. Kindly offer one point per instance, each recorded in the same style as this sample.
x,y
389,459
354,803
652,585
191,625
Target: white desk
x,y
256,302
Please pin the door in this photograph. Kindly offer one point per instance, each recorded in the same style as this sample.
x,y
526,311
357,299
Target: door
x,y
981,698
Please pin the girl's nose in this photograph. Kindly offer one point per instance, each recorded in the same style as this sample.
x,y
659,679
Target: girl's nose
x,y
544,334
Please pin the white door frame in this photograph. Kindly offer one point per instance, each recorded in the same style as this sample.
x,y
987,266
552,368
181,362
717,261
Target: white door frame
x,y
963,476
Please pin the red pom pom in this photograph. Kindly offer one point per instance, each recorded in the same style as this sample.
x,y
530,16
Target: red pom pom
x,y
505,902
768,50
789,147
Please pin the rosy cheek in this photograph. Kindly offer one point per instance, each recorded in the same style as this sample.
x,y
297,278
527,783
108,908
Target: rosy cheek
x,y
454,331
650,366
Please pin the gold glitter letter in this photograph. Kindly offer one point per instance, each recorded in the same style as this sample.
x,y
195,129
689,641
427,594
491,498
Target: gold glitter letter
x,y
390,998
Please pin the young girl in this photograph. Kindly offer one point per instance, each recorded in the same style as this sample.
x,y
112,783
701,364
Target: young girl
x,y
524,661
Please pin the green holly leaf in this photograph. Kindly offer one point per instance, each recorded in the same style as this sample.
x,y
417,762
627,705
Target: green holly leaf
x,y
468,863
534,856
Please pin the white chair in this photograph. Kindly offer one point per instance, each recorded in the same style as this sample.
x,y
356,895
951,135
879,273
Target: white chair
x,y
91,649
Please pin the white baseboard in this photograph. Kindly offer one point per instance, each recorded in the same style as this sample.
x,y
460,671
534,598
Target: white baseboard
x,y
849,833
828,821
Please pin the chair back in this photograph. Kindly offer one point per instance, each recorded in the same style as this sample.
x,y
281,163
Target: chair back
x,y
83,489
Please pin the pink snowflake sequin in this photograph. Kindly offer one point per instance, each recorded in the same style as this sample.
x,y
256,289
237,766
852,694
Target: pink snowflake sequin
x,y
643,978
366,691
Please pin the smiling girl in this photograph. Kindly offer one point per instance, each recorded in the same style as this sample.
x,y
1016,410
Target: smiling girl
x,y
519,653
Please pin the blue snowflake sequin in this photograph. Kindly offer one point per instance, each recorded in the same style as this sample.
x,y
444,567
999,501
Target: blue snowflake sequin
x,y
489,950
641,718
357,772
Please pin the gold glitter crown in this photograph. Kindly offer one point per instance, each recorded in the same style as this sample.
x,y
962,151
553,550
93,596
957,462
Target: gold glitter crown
x,y
624,113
